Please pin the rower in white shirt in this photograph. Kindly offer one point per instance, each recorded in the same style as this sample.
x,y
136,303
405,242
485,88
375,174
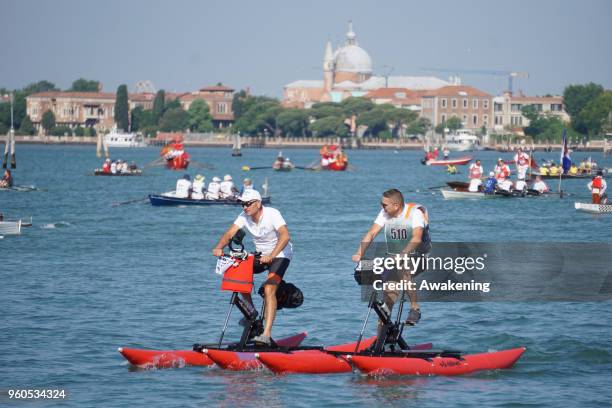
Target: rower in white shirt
x,y
183,187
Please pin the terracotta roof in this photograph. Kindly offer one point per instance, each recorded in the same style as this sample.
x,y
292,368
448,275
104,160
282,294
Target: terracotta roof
x,y
454,90
84,95
217,88
141,97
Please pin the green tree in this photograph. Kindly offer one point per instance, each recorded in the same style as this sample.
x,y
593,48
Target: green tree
x,y
596,114
61,131
324,109
356,105
240,103
159,104
576,98
200,119
27,128
293,122
173,120
329,126
79,131
419,127
375,120
454,123
136,118
173,104
122,109
84,85
400,118
259,114
40,86
48,121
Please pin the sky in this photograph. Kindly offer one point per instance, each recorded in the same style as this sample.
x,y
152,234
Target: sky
x,y
184,45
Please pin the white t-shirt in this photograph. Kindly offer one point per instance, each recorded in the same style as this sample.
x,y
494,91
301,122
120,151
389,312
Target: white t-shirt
x,y
213,187
226,188
182,188
198,186
540,186
265,233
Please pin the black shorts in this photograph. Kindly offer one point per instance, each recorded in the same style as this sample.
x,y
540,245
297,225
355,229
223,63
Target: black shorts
x,y
276,270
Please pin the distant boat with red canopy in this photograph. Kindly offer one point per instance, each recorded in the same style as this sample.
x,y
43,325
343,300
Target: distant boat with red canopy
x,y
332,158
175,156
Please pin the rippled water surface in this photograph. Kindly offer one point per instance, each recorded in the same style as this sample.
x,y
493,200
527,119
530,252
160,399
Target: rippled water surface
x,y
89,277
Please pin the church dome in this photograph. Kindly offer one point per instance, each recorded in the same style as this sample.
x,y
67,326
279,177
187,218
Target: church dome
x,y
352,58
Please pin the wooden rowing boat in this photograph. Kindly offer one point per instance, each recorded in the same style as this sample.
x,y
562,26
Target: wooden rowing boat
x,y
594,208
99,172
445,162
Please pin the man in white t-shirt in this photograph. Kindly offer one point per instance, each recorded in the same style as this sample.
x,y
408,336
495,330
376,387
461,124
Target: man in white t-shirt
x,y
183,186
271,237
406,232
226,188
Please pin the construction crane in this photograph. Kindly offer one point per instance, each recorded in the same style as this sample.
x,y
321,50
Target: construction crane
x,y
510,74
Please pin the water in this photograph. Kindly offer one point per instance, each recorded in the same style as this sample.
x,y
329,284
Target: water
x,y
90,277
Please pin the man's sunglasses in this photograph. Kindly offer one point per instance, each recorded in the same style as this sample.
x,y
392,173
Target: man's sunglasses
x,y
248,203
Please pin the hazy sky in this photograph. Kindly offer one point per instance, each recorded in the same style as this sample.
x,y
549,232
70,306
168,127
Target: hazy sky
x,y
185,45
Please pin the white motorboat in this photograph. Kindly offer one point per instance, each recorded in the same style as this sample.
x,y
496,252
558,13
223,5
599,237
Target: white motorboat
x,y
461,141
118,139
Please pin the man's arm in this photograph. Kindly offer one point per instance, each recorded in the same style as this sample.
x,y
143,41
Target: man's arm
x,y
366,240
225,239
281,243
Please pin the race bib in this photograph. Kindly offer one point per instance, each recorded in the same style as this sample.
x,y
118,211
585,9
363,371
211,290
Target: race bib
x,y
223,264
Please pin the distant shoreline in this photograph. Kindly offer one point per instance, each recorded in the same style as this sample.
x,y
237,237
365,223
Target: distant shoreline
x,y
297,143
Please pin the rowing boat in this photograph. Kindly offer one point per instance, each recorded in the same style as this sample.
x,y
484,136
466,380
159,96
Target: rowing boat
x,y
455,194
99,172
594,208
445,162
169,199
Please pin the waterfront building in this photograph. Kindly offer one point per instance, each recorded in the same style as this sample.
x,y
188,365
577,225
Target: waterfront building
x,y
508,110
96,109
473,106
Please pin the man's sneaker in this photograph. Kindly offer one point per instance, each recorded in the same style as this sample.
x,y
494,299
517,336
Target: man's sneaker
x,y
265,340
413,316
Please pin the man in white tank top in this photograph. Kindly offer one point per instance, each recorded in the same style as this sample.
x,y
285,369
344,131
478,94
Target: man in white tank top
x,y
406,232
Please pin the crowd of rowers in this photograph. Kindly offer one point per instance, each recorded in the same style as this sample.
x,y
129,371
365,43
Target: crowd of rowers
x,y
499,178
118,167
551,169
216,189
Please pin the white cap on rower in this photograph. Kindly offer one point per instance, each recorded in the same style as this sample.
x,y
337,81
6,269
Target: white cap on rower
x,y
227,177
250,195
491,174
216,179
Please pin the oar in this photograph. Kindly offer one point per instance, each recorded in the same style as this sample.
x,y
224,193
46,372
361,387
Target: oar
x,y
157,162
436,187
135,200
201,165
22,188
248,168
